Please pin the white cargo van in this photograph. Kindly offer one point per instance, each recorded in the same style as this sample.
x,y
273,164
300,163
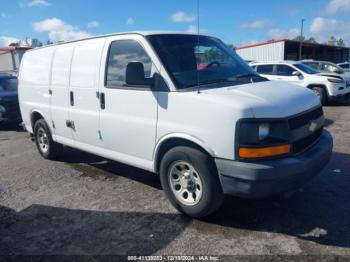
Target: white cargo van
x,y
181,105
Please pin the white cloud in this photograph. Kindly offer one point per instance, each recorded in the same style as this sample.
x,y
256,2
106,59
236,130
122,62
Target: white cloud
x,y
93,24
250,42
192,29
6,40
322,28
338,6
59,30
182,17
130,21
38,3
256,24
277,33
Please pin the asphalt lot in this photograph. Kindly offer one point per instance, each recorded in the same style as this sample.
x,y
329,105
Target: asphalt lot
x,y
87,205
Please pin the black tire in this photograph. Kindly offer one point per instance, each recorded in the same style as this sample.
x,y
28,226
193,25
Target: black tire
x,y
53,149
211,194
321,93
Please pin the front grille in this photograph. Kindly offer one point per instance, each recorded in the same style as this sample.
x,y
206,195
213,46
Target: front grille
x,y
304,119
302,144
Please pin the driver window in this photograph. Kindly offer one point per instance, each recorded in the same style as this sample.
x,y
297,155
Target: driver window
x,y
284,70
120,54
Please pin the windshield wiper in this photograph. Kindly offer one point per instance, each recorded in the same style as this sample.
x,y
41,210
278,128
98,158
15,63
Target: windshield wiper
x,y
208,82
251,76
224,80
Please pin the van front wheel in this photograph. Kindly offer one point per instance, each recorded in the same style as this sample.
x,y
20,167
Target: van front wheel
x,y
190,181
43,140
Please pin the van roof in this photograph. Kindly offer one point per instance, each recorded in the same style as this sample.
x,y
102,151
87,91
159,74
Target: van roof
x,y
143,33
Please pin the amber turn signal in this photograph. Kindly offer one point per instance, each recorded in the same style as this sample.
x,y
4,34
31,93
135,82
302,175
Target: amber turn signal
x,y
264,151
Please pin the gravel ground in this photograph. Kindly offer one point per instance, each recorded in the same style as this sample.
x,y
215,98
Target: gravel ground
x,y
86,205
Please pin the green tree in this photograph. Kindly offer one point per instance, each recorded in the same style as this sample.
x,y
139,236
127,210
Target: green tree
x,y
332,40
312,40
340,42
299,38
36,43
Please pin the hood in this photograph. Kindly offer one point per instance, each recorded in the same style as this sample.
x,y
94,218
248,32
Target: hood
x,y
8,95
270,99
345,76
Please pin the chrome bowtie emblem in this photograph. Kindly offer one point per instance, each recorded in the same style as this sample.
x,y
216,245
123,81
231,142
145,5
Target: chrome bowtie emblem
x,y
312,126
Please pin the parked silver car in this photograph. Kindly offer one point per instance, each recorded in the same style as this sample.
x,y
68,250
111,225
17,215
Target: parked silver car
x,y
324,66
345,66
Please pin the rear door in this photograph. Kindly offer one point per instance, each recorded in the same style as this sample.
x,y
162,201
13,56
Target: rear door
x,y
84,106
266,71
60,93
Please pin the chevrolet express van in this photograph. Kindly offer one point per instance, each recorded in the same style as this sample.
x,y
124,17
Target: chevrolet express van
x,y
184,106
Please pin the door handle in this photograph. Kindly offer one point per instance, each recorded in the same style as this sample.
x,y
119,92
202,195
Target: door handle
x,y
70,124
71,97
102,101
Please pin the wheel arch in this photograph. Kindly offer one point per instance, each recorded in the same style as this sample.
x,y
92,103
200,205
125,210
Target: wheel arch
x,y
170,141
310,86
35,115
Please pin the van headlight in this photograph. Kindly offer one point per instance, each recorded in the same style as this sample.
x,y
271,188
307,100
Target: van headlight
x,y
261,139
2,109
264,131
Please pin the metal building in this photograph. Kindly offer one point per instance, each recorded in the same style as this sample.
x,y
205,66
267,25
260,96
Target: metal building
x,y
10,57
284,49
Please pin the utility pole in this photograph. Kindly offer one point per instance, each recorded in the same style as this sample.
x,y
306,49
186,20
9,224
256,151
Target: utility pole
x,y
301,39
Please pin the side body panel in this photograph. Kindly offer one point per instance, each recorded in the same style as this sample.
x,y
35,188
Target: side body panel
x,y
34,83
84,77
60,75
128,121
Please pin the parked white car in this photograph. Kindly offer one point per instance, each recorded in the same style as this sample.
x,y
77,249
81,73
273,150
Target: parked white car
x,y
143,99
328,86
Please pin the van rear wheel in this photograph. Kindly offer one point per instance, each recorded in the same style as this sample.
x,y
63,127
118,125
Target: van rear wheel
x,y
190,181
43,140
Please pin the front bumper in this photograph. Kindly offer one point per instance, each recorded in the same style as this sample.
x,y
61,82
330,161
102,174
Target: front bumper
x,y
341,97
336,91
4,118
11,114
272,177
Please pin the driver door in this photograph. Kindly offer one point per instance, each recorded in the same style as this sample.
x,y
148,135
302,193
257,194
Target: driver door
x,y
128,115
285,73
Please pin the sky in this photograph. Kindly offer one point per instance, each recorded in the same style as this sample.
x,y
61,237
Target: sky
x,y
236,22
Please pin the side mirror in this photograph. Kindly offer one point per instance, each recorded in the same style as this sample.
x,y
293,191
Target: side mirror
x,y
296,73
135,75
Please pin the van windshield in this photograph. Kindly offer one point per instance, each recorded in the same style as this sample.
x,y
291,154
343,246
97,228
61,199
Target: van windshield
x,y
193,60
